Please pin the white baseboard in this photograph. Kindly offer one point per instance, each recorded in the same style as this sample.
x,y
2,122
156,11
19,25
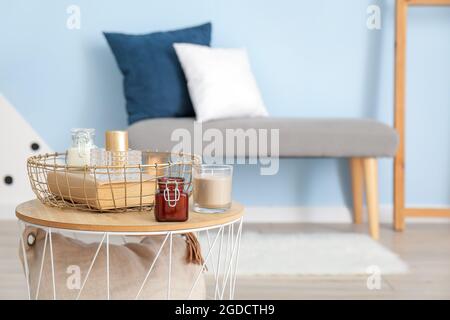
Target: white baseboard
x,y
279,214
320,215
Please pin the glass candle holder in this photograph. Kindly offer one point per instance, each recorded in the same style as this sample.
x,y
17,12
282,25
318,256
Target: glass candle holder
x,y
101,157
212,188
82,144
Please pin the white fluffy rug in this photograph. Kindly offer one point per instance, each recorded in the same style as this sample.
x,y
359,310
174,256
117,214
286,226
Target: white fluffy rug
x,y
315,254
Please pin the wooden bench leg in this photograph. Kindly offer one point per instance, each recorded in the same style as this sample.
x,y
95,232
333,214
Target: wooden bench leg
x,y
371,179
357,178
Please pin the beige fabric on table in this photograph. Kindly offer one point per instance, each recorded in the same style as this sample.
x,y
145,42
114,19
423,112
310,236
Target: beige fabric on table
x,y
129,263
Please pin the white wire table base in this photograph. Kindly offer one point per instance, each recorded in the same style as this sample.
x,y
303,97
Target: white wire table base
x,y
220,247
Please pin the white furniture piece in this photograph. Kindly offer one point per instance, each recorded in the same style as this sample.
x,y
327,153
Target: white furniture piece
x,y
221,233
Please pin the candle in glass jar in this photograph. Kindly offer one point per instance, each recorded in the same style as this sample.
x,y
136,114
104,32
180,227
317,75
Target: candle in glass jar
x,y
212,188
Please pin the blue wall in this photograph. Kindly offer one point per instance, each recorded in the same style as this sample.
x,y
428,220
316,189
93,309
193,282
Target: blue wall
x,y
311,59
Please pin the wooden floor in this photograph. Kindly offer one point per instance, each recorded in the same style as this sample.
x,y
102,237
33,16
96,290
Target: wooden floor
x,y
425,247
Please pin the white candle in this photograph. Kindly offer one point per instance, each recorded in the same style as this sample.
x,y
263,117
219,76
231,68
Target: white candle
x,y
78,157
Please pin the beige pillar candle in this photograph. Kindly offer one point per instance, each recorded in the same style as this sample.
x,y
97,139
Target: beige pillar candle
x,y
212,191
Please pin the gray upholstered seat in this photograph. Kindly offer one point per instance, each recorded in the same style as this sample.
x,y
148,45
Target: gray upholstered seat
x,y
299,137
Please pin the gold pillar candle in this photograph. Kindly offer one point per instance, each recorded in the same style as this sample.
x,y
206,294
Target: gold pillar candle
x,y
116,141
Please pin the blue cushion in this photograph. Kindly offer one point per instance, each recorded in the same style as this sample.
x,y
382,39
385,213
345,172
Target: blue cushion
x,y
154,83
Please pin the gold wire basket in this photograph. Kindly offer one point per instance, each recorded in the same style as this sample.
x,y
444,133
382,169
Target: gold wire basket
x,y
109,188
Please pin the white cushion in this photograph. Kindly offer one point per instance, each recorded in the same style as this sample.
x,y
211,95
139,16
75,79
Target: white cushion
x,y
220,82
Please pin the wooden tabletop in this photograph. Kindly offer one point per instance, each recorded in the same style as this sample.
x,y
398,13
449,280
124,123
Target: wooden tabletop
x,y
35,212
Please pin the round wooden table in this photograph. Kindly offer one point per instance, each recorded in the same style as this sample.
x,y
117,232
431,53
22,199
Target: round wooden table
x,y
36,213
210,226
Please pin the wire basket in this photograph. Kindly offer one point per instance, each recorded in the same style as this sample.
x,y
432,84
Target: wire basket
x,y
107,188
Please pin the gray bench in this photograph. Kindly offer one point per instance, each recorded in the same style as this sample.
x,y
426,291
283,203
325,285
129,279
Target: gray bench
x,y
360,140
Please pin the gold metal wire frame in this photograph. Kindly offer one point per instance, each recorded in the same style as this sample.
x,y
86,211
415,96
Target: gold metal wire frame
x,y
115,188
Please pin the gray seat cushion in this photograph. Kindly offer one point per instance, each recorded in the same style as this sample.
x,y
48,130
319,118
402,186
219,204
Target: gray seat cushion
x,y
298,137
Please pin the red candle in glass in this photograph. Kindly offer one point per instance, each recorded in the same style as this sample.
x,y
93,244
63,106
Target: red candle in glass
x,y
171,201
